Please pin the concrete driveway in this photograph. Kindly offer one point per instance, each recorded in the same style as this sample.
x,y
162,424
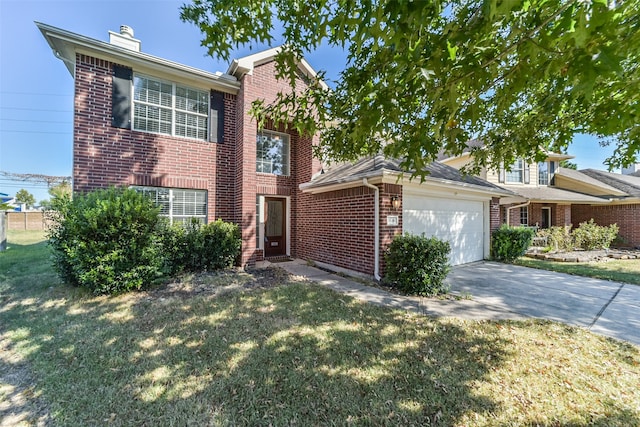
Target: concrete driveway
x,y
604,307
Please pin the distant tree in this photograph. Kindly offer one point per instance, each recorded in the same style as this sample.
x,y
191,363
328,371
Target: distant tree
x,y
58,192
23,196
568,165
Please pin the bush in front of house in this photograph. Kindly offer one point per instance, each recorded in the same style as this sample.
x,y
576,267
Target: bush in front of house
x,y
418,265
114,240
193,246
510,243
590,236
105,240
559,238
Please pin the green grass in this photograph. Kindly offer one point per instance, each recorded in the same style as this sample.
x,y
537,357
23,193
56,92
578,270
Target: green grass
x,y
296,354
619,270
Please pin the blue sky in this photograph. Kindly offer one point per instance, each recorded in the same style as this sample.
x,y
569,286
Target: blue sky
x,y
36,89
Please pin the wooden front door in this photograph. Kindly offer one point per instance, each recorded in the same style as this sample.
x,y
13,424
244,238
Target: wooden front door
x,y
275,236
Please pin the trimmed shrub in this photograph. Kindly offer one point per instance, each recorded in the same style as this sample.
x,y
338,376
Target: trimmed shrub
x,y
590,236
510,243
418,265
105,240
195,247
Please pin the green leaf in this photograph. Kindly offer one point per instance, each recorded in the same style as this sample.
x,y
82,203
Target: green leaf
x,y
452,51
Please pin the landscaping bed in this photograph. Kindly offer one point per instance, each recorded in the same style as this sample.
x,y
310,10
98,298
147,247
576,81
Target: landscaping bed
x,y
601,255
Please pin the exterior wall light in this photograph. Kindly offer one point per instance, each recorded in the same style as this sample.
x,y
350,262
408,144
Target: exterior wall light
x,y
395,202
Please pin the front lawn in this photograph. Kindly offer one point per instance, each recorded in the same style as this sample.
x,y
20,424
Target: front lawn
x,y
618,270
218,350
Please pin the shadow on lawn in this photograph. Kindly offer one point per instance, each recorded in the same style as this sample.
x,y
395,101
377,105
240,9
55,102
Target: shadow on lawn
x,y
297,354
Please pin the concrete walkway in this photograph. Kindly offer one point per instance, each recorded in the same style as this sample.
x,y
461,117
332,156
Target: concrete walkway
x,y
495,291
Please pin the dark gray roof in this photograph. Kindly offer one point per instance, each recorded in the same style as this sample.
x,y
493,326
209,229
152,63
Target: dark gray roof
x,y
627,183
587,179
470,144
556,195
369,167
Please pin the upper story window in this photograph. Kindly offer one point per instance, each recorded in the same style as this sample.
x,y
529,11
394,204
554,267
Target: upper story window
x,y
177,204
543,173
516,174
170,109
272,153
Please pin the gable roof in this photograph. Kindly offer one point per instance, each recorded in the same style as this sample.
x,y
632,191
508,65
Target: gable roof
x,y
477,143
554,195
388,170
626,183
66,44
245,65
587,183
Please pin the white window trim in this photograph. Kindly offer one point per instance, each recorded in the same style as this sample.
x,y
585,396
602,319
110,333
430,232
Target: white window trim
x,y
512,170
173,107
171,215
524,209
288,139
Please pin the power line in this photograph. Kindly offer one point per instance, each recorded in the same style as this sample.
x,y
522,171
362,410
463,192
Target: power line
x,y
34,178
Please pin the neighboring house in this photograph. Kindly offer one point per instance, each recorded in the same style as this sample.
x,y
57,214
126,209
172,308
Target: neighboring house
x,y
547,195
633,169
10,201
185,137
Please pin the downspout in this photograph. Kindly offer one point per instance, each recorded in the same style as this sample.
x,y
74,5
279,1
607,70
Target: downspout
x,y
516,206
376,233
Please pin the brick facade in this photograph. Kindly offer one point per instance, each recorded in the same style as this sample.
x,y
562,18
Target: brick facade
x,y
104,155
626,216
335,227
262,84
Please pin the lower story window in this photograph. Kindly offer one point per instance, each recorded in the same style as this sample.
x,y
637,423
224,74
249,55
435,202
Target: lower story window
x,y
178,204
524,215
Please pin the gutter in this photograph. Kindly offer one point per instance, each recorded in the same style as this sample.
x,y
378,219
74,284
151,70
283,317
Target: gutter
x,y
376,234
84,44
514,207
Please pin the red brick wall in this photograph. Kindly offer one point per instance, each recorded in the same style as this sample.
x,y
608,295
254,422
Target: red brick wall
x,y
561,215
337,228
388,232
262,84
626,216
104,155
514,214
494,214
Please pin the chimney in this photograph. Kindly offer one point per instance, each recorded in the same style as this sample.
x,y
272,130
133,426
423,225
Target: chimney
x,y
124,38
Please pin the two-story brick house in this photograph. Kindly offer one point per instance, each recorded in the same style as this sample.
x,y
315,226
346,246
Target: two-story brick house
x,y
185,137
546,195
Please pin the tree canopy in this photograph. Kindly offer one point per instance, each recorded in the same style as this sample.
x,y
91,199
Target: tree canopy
x,y
58,191
23,196
426,77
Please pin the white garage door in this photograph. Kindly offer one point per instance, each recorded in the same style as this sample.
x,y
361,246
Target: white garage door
x,y
460,222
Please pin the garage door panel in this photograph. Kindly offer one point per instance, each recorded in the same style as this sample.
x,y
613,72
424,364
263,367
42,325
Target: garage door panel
x,y
460,222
